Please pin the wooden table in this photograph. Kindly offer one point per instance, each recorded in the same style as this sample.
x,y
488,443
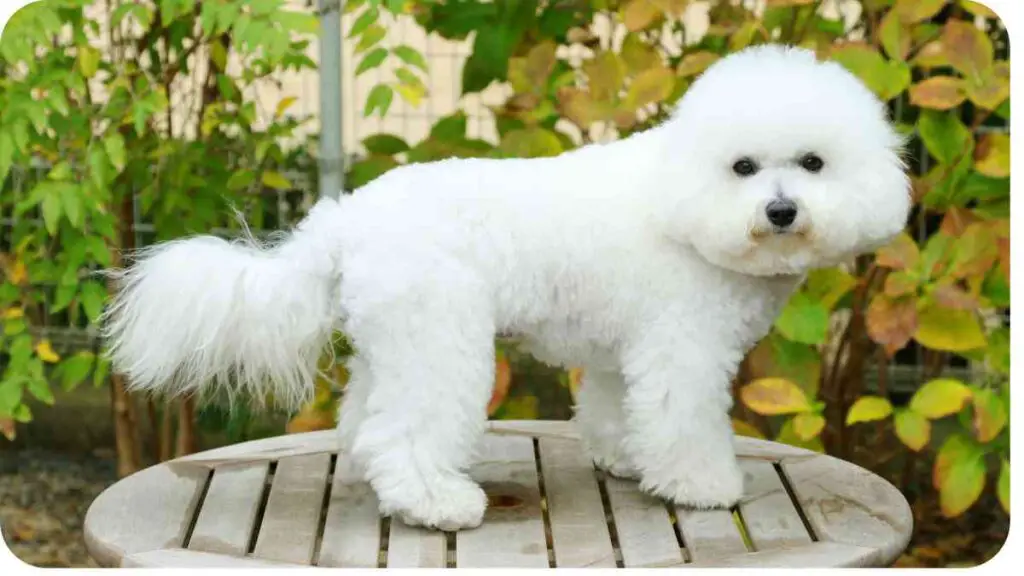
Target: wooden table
x,y
275,503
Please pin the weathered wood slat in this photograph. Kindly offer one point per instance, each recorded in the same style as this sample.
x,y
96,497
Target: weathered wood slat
x,y
850,505
771,519
178,558
352,528
534,428
747,447
709,534
512,534
149,510
269,449
410,547
226,521
645,532
579,532
814,555
289,529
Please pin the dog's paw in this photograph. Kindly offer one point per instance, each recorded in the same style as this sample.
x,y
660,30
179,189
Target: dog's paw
x,y
619,468
700,489
450,503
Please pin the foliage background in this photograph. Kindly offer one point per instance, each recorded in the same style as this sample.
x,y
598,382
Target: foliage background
x,y
123,123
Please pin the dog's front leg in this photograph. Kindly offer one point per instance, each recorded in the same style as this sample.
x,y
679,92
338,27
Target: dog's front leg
x,y
678,431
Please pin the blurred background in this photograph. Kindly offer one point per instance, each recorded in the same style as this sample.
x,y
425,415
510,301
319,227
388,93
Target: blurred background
x,y
125,123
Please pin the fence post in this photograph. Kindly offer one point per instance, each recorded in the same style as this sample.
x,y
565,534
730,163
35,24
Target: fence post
x,y
332,175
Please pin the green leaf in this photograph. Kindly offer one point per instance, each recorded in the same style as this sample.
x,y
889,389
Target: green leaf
x,y
868,409
450,128
371,60
11,390
912,429
363,22
298,21
940,397
75,370
114,145
93,296
949,330
774,396
71,199
963,483
803,320
374,34
275,180
365,171
52,211
379,99
410,56
886,78
945,136
829,285
385,144
241,179
40,390
99,375
6,155
88,61
530,143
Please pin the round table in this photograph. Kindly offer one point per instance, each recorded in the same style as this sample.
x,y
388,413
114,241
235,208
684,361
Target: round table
x,y
275,503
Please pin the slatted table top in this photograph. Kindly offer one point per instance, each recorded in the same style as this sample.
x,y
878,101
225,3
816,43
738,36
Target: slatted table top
x,y
275,503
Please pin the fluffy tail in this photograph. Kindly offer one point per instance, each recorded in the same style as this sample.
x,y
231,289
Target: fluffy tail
x,y
205,313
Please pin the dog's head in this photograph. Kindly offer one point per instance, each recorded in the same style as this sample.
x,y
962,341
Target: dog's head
x,y
786,164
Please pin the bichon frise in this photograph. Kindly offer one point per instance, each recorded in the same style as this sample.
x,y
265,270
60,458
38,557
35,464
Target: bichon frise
x,y
654,262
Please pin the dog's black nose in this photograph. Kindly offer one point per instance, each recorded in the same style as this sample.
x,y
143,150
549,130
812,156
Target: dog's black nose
x,y
781,213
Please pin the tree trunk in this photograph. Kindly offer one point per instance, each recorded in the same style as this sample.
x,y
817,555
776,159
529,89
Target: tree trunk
x,y
125,429
166,438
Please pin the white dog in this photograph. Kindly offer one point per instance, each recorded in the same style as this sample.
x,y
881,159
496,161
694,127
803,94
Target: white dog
x,y
654,263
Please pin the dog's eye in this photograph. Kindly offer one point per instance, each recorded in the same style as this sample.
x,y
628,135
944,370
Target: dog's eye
x,y
745,167
812,163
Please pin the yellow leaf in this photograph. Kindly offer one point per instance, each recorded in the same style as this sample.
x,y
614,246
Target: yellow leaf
x,y
993,88
502,382
913,11
7,428
967,48
18,273
649,87
696,63
788,436
581,108
575,377
978,9
539,63
13,313
948,330
912,429
993,157
412,93
605,75
900,254
891,323
940,397
771,396
276,181
990,415
46,352
741,428
283,105
638,14
808,425
938,93
954,448
868,409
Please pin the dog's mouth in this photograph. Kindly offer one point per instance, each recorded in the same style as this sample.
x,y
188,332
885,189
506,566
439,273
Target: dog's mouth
x,y
760,233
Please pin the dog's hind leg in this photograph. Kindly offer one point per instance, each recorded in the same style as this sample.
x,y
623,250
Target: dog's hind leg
x,y
350,416
602,421
431,363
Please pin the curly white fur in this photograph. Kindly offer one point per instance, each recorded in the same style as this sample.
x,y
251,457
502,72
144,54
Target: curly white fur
x,y
647,261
